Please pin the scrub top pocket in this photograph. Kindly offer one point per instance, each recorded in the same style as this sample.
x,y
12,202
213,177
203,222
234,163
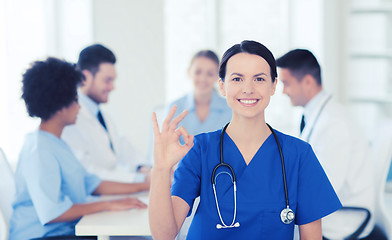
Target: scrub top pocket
x,y
272,226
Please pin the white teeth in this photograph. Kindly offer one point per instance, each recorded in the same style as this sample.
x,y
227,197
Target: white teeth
x,y
248,101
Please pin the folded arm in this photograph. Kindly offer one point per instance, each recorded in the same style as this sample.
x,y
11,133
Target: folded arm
x,y
108,187
79,210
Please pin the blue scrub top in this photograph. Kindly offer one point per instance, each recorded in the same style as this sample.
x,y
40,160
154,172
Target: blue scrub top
x,y
260,191
49,180
219,115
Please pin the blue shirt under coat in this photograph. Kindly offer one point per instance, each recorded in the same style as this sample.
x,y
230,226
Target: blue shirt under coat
x,y
49,180
219,115
260,191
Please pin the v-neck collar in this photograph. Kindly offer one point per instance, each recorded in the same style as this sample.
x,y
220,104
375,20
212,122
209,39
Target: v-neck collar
x,y
258,152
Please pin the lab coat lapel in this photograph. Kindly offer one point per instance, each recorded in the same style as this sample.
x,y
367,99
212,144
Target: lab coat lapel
x,y
312,122
89,118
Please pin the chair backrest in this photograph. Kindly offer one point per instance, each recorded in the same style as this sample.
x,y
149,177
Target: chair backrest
x,y
7,192
382,155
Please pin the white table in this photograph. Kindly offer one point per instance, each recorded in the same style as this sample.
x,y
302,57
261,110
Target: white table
x,y
132,222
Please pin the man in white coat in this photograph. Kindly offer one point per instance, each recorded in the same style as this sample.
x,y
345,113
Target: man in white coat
x,y
337,142
94,139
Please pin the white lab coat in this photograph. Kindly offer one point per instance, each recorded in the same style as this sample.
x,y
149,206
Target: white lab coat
x,y
90,143
343,153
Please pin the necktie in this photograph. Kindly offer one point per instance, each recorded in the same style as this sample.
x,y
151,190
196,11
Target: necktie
x,y
102,121
302,123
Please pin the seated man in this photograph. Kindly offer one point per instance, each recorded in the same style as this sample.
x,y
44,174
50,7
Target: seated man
x,y
93,138
52,186
338,143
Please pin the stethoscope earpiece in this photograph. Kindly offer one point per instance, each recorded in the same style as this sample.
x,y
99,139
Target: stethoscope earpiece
x,y
219,226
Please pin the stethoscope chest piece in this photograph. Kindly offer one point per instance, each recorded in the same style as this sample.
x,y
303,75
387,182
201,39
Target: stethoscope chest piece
x,y
287,215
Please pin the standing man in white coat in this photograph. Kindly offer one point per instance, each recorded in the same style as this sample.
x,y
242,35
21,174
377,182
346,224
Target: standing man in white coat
x,y
94,139
337,142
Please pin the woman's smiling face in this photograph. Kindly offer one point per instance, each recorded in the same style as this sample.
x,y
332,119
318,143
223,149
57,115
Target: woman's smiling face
x,y
247,86
204,75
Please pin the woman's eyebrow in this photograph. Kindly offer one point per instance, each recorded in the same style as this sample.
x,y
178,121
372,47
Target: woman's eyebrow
x,y
238,74
260,74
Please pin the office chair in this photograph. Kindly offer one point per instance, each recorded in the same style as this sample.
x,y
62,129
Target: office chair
x,y
382,155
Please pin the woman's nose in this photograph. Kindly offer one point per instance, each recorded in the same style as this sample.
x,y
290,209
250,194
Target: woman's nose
x,y
248,87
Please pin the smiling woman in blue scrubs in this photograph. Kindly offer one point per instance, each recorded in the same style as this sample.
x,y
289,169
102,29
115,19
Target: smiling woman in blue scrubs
x,y
51,184
247,80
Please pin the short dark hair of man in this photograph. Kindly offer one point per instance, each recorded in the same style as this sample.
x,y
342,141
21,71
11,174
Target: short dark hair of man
x,y
49,86
92,56
301,62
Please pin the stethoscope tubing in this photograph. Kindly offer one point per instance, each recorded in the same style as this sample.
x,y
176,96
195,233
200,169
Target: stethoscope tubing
x,y
286,195
221,162
284,214
317,117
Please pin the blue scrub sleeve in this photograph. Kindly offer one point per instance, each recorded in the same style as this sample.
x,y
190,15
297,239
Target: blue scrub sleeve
x,y
43,179
316,196
186,184
91,182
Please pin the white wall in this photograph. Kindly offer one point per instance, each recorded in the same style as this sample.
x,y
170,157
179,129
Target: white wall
x,y
317,25
3,85
133,30
334,48
189,27
24,42
71,26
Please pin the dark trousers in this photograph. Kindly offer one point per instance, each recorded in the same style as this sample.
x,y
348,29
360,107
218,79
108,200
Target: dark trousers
x,y
67,238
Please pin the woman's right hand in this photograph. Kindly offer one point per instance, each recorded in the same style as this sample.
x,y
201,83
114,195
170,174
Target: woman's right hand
x,y
168,150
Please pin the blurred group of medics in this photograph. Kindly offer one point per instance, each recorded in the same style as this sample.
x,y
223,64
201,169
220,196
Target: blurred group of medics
x,y
77,151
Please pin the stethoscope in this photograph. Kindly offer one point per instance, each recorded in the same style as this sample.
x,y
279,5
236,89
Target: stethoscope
x,y
286,215
317,117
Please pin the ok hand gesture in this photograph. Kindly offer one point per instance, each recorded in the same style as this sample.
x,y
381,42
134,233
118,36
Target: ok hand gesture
x,y
167,148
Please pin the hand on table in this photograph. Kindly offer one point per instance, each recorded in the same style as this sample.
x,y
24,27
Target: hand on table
x,y
125,203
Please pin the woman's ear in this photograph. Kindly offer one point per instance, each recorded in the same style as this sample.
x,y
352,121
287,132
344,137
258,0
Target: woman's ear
x,y
274,86
222,87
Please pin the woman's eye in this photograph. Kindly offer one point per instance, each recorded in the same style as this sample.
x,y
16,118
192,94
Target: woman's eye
x,y
260,79
237,79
